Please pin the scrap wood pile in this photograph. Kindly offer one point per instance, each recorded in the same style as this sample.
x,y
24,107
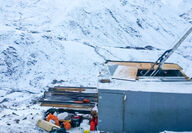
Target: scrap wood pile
x,y
83,98
77,108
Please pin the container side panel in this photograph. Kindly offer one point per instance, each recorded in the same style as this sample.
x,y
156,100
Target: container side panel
x,y
110,112
137,111
171,112
144,111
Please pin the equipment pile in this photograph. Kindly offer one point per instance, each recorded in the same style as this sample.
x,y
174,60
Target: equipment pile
x,y
77,108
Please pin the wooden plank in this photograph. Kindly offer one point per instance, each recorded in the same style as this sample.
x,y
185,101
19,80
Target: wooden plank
x,y
172,67
125,73
75,87
81,103
46,125
66,99
143,65
68,89
105,81
186,77
66,106
51,93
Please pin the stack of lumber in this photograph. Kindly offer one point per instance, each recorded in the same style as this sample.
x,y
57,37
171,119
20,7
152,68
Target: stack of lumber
x,y
70,97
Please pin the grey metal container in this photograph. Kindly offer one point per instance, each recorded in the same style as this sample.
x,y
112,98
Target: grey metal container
x,y
137,111
133,102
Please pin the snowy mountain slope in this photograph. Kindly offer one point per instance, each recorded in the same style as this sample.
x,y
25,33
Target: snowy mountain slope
x,y
45,43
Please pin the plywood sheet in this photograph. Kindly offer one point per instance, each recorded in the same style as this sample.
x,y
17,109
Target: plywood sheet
x,y
46,125
146,65
125,73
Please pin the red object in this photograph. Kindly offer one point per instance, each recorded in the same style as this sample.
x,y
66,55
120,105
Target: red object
x,y
93,123
92,126
54,118
86,101
76,117
67,125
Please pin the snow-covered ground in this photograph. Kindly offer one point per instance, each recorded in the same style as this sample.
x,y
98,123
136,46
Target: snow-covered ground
x,y
45,43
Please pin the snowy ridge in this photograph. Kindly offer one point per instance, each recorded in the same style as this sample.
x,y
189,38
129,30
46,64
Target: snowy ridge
x,y
45,43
